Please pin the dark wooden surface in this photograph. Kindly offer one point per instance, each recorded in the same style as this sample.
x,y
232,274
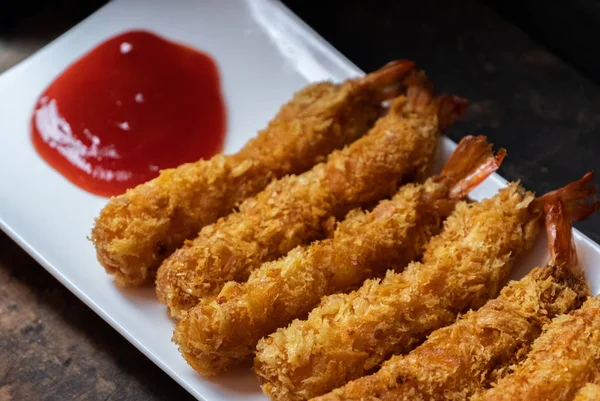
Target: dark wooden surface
x,y
52,347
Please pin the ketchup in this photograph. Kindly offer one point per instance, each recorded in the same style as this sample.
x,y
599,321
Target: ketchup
x,y
134,105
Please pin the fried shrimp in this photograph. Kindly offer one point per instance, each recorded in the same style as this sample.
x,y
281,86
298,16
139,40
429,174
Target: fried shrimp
x,y
216,334
136,231
457,361
563,359
349,335
292,211
589,392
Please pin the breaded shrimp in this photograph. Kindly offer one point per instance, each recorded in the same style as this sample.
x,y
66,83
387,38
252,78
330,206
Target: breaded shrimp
x,y
349,335
563,359
216,334
292,211
589,392
136,231
457,361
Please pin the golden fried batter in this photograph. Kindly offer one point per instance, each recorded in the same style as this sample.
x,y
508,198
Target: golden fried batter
x,y
218,333
292,211
457,361
589,392
564,358
348,335
136,231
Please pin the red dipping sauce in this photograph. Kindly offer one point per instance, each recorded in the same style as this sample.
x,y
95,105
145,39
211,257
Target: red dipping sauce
x,y
132,106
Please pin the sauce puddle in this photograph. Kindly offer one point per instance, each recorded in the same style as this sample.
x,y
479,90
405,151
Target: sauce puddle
x,y
134,105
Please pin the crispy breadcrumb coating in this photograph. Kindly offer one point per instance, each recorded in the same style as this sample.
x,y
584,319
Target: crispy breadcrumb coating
x,y
564,358
218,333
136,231
457,361
589,392
348,335
292,211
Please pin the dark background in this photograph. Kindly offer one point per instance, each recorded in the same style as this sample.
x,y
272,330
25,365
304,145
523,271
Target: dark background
x,y
527,68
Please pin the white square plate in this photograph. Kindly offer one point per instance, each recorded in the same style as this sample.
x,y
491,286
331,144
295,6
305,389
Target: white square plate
x,y
264,53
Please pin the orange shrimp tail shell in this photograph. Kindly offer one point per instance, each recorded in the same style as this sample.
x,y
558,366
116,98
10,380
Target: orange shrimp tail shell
x,y
388,74
390,80
419,94
579,198
560,235
472,162
450,109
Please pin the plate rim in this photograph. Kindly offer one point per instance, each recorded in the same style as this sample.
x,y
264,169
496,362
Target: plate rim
x,y
12,233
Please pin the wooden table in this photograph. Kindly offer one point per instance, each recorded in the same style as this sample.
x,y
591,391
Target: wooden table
x,y
546,113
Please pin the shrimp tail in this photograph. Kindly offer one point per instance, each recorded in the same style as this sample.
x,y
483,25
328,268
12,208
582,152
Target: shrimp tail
x,y
449,109
563,253
419,99
579,197
392,72
419,92
390,80
472,162
560,235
